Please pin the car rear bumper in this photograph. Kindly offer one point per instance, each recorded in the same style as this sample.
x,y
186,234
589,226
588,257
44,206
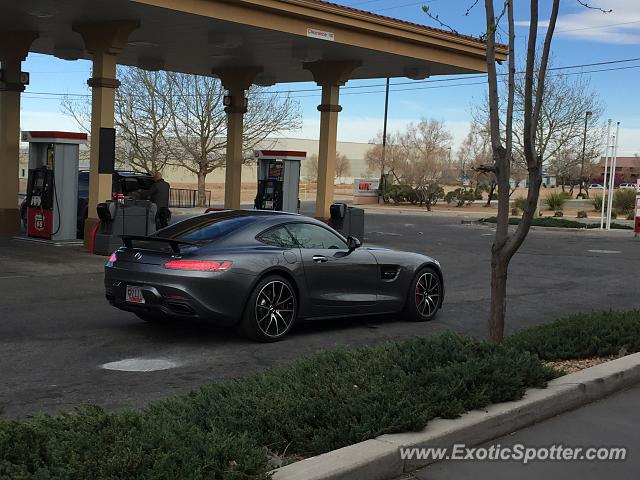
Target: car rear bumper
x,y
218,298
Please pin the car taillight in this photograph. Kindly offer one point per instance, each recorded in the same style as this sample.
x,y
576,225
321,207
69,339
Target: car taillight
x,y
199,265
112,259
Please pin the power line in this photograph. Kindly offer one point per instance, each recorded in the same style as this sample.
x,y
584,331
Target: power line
x,y
54,95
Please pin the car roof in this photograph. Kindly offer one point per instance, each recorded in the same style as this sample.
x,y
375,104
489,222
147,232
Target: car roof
x,y
264,220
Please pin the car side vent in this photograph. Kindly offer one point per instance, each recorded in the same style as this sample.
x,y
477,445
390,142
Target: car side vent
x,y
388,272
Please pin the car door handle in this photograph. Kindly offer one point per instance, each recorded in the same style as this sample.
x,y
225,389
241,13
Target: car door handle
x,y
319,258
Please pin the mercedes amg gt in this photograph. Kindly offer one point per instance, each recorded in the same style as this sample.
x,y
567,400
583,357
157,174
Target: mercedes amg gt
x,y
261,271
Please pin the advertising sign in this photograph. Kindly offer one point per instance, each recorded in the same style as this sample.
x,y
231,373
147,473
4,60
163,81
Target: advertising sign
x,y
366,187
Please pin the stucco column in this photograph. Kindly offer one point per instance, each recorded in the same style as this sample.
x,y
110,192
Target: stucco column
x,y
14,47
104,41
330,76
237,81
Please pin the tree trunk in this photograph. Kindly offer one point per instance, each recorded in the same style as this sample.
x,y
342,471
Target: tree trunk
x,y
493,189
202,194
499,267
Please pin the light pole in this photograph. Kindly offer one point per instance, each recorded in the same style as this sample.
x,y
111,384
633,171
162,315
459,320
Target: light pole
x,y
584,145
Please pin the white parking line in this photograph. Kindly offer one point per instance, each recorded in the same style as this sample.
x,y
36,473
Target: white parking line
x,y
604,251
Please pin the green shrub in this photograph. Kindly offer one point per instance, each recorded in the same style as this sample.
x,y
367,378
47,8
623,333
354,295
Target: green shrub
x,y
401,193
429,194
566,195
460,196
520,203
597,202
582,336
323,402
624,201
557,222
556,201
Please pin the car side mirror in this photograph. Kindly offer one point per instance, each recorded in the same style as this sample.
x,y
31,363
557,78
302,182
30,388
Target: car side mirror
x,y
353,243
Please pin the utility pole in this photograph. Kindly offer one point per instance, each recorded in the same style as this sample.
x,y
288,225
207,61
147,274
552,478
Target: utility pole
x,y
384,141
584,145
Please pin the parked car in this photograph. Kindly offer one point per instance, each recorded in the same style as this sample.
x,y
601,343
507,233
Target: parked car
x,y
596,186
124,183
631,186
261,271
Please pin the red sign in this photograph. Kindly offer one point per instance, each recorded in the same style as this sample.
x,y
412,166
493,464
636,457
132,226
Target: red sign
x,y
39,223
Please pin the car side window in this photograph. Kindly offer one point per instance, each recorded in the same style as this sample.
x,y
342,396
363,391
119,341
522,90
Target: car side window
x,y
314,236
278,237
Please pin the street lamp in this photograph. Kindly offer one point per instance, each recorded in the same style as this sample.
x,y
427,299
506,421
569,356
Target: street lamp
x,y
584,144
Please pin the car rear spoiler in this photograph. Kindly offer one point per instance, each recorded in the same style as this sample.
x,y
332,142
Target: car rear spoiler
x,y
173,242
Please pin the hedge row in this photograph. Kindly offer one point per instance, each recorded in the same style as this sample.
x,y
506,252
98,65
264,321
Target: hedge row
x,y
582,336
557,222
323,402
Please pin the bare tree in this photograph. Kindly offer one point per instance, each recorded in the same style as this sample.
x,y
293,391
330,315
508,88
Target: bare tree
x,y
343,166
533,88
312,168
142,119
425,148
198,135
393,155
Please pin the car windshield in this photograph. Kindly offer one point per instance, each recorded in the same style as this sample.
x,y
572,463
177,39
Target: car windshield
x,y
206,228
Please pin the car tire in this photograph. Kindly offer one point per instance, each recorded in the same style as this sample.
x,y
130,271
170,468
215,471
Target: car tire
x,y
425,296
271,310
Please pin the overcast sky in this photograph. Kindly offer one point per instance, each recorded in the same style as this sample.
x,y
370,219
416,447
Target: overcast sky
x,y
584,36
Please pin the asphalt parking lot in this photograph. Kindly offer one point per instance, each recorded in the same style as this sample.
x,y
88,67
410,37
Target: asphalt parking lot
x,y
57,331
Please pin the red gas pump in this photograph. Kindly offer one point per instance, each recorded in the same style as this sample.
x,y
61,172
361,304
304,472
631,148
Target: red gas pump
x,y
40,196
52,188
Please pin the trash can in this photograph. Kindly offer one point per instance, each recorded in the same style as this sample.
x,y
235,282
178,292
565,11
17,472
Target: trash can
x,y
349,221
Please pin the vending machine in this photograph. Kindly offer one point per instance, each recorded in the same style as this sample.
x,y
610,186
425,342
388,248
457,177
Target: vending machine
x,y
278,180
52,186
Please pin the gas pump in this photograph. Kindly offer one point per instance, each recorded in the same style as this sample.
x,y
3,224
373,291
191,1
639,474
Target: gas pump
x,y
278,180
52,187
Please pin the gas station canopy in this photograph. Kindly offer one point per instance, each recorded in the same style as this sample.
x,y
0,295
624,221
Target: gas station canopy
x,y
243,42
201,36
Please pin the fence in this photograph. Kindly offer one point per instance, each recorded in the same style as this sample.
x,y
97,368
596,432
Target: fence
x,y
186,198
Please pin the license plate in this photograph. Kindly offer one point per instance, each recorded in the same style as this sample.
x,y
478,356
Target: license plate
x,y
134,295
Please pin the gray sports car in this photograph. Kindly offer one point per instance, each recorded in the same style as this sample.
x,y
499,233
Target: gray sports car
x,y
261,271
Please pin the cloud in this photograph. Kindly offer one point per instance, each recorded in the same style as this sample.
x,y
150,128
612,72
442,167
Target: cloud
x,y
621,26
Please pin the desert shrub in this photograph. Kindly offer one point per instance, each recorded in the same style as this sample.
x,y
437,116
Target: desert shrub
x,y
520,203
460,196
624,201
597,202
556,201
582,214
429,195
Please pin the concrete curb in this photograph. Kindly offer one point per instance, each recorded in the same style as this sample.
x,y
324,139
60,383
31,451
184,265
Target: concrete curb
x,y
379,458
